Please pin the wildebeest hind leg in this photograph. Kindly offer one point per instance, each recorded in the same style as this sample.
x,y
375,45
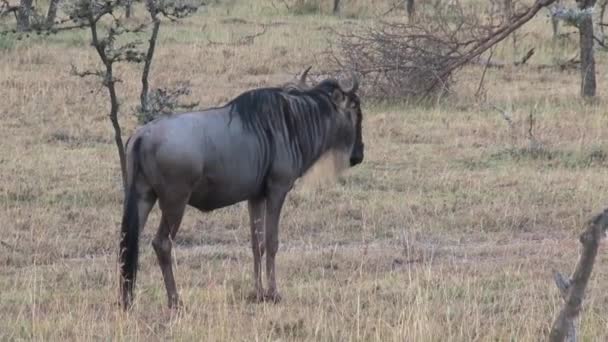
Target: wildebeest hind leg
x,y
256,221
172,215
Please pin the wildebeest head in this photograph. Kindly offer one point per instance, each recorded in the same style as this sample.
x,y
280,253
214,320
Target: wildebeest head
x,y
349,138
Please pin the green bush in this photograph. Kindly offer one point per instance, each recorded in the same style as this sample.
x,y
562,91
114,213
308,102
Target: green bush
x,y
304,7
7,42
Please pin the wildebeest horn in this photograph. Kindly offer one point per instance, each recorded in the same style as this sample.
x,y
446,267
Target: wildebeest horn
x,y
304,74
355,84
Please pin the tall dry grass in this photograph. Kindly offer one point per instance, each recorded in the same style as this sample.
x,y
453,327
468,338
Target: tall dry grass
x,y
448,231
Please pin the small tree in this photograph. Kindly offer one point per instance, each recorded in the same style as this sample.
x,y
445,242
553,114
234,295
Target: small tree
x,y
104,38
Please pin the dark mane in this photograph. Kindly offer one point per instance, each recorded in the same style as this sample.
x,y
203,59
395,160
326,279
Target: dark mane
x,y
301,116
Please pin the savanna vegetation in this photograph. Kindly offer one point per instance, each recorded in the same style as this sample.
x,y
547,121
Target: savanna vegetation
x,y
448,231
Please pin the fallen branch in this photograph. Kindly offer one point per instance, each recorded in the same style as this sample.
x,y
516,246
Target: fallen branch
x,y
4,10
526,57
573,289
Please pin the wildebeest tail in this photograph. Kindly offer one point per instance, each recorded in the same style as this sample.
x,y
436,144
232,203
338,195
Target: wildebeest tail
x,y
129,243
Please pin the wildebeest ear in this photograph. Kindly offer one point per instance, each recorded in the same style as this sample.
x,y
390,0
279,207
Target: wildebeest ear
x,y
337,96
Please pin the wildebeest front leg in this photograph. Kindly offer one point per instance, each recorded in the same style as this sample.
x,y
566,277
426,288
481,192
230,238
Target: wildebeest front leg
x,y
256,220
162,243
274,204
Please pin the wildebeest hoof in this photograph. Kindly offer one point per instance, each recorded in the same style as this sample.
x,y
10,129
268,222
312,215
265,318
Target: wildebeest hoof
x,y
272,296
126,307
176,303
255,296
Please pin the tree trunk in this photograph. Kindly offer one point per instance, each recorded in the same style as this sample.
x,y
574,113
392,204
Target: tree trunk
x,y
336,10
110,83
602,13
52,13
555,23
23,15
128,5
410,9
588,86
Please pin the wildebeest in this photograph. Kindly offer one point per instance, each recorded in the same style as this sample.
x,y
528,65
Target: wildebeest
x,y
254,148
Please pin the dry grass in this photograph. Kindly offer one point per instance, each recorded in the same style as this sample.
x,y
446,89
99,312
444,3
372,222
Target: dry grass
x,y
448,231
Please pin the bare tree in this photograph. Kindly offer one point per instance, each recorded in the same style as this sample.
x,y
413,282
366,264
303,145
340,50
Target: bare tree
x,y
89,13
336,9
573,290
416,59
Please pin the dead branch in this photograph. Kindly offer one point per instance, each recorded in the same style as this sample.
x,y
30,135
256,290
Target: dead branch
x,y
418,58
487,62
283,2
573,289
483,74
494,39
393,7
6,8
86,73
505,115
526,57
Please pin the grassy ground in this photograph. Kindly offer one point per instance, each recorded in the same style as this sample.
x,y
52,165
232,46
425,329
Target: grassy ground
x,y
448,231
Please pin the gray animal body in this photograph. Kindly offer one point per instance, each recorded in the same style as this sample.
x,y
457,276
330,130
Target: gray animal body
x,y
254,149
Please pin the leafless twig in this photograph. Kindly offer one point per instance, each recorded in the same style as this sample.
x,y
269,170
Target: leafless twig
x,y
483,74
394,7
